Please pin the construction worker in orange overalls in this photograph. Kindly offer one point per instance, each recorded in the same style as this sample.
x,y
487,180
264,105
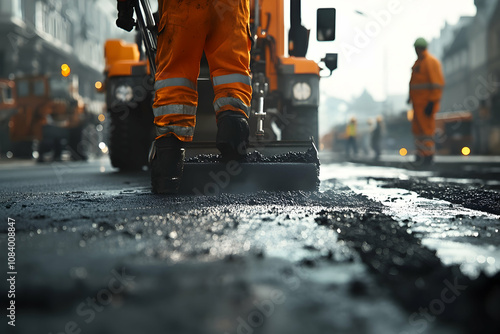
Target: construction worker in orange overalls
x,y
426,88
186,29
351,134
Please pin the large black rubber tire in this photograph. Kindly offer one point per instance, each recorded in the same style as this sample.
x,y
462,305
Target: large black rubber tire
x,y
22,149
78,146
86,143
131,134
301,123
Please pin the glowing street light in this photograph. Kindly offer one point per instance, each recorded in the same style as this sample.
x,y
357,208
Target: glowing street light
x,y
65,70
466,151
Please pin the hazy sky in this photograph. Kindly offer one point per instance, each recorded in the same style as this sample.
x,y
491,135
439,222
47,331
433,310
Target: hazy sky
x,y
388,27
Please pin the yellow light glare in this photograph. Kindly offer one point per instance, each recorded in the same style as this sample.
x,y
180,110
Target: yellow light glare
x,y
410,115
65,70
403,152
98,85
465,151
101,118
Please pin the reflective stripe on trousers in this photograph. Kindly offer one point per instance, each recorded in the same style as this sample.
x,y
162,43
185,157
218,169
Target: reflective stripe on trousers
x,y
177,119
223,102
179,109
235,82
181,131
232,78
174,82
428,85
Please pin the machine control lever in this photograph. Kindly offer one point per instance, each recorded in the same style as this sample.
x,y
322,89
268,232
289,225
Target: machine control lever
x,y
260,114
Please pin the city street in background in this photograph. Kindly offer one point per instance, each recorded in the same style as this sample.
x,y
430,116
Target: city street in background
x,y
330,223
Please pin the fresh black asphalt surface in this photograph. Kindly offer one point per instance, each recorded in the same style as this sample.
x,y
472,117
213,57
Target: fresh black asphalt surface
x,y
375,250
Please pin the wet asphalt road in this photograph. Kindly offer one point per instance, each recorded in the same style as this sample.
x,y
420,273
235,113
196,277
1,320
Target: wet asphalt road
x,y
376,250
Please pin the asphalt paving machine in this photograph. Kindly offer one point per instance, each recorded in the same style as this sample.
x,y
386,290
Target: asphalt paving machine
x,y
7,109
49,113
283,120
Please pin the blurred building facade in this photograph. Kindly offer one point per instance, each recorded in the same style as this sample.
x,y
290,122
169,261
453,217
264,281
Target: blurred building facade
x,y
469,60
470,53
38,36
494,55
438,45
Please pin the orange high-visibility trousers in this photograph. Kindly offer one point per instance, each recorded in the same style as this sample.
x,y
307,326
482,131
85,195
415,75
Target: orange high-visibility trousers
x,y
426,85
186,29
424,128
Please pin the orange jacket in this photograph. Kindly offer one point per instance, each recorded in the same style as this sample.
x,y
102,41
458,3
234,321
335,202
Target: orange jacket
x,y
427,80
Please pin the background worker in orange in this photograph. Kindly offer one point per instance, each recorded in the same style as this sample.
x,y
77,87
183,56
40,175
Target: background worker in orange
x,y
351,134
426,88
220,28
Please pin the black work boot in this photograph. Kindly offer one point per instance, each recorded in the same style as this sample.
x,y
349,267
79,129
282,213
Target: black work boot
x,y
167,163
428,161
416,163
232,136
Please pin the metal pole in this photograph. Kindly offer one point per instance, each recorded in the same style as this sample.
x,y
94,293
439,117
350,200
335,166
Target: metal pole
x,y
147,27
256,18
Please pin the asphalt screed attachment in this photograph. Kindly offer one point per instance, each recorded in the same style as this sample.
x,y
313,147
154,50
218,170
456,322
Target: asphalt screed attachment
x,y
272,166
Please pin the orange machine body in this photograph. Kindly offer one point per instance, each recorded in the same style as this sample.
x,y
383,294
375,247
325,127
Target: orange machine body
x,y
35,104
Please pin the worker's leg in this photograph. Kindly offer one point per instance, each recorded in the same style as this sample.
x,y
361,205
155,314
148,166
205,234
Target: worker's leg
x,y
429,131
46,143
423,128
182,33
228,54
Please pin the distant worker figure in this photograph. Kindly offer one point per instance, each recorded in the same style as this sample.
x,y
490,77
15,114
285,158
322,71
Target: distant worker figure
x,y
376,138
426,88
351,133
187,29
482,128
